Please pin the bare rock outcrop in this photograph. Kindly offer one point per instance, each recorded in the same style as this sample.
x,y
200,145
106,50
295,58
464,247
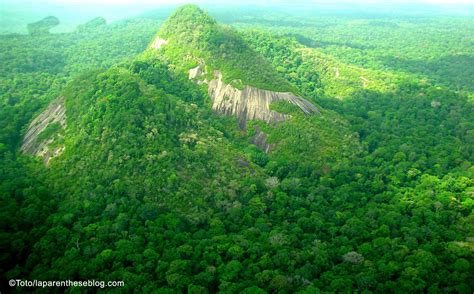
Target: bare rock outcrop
x,y
249,103
259,139
158,42
197,72
33,143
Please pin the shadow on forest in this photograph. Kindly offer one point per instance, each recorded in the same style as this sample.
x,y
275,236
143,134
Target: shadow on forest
x,y
405,118
456,71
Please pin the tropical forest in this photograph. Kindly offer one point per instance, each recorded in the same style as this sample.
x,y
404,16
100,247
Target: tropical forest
x,y
254,147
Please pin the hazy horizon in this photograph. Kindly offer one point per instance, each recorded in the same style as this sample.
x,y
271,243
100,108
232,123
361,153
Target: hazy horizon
x,y
14,15
256,2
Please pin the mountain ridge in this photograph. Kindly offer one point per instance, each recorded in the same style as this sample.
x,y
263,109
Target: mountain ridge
x,y
240,82
249,104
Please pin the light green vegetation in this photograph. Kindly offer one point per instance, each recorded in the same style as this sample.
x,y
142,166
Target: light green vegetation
x,y
375,195
435,48
193,35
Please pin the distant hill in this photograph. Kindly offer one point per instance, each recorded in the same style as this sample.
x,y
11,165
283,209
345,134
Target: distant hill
x,y
92,24
43,26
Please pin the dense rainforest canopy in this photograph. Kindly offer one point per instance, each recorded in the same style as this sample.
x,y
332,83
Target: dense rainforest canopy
x,y
153,188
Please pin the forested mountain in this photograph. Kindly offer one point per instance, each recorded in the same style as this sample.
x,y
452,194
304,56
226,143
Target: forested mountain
x,y
190,156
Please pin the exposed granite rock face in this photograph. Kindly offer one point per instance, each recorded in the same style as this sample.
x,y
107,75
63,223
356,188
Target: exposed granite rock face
x,y
32,142
197,72
250,103
260,140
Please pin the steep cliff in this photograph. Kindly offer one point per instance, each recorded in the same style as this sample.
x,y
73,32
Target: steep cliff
x,y
249,103
43,131
240,81
260,139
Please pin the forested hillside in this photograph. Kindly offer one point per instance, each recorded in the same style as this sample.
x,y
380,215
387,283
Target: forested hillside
x,y
373,192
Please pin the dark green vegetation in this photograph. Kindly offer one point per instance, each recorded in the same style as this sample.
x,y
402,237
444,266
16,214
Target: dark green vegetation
x,y
34,70
374,195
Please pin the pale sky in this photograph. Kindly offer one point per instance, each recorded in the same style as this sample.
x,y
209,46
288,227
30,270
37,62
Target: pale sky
x,y
260,2
15,14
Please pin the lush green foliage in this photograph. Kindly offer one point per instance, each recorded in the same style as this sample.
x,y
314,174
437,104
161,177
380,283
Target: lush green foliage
x,y
34,69
193,35
431,125
435,48
374,195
